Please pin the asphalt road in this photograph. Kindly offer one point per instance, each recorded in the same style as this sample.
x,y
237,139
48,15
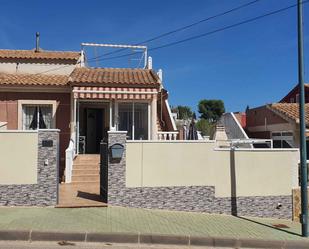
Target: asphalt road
x,y
55,245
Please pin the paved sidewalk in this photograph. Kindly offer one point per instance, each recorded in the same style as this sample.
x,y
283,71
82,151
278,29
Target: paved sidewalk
x,y
83,245
132,220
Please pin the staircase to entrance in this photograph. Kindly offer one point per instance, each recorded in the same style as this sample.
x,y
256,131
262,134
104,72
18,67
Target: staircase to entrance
x,y
86,169
84,190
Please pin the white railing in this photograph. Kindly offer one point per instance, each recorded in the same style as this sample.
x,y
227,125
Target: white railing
x,y
69,157
241,142
167,135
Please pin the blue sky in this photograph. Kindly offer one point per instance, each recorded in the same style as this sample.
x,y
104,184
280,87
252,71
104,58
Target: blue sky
x,y
252,64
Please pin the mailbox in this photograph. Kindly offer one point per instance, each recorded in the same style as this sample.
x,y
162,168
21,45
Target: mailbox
x,y
116,151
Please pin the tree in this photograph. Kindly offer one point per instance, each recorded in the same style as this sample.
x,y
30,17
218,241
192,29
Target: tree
x,y
211,109
206,128
184,112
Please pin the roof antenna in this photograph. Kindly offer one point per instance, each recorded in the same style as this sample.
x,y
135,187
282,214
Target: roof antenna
x,y
37,42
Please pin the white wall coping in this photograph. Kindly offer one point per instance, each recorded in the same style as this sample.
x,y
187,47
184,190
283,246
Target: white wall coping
x,y
117,132
173,141
18,131
258,149
48,130
29,131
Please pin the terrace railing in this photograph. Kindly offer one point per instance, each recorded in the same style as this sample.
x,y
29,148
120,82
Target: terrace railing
x,y
167,135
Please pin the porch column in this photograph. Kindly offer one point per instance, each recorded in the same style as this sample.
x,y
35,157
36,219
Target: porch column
x,y
74,123
72,113
154,128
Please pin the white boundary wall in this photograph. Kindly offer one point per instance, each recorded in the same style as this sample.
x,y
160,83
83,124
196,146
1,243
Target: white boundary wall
x,y
18,157
258,172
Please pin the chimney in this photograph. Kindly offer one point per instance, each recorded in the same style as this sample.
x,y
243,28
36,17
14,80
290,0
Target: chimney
x,y
160,74
149,64
37,42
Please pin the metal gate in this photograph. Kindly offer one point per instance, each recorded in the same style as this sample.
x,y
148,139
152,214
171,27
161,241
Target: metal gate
x,y
104,171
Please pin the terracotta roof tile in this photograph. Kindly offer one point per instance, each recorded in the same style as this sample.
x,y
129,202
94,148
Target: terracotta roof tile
x,y
43,55
290,110
114,76
33,79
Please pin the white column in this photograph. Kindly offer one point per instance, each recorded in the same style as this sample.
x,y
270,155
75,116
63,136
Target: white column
x,y
133,121
74,123
149,121
116,119
111,115
77,127
154,129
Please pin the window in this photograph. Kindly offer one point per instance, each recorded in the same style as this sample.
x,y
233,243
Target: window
x,y
36,114
297,98
291,100
282,139
133,118
125,113
36,117
140,121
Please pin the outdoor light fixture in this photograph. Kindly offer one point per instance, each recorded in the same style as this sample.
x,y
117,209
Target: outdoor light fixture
x,y
116,151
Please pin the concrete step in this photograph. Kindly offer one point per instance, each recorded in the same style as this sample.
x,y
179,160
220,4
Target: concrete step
x,y
86,166
83,171
88,156
85,182
86,161
87,178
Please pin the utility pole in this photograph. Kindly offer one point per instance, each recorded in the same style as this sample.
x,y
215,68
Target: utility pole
x,y
302,123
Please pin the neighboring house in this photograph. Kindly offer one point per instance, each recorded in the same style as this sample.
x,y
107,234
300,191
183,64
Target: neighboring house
x,y
293,95
55,90
278,121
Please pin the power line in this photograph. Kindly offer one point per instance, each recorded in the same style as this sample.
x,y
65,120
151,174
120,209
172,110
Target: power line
x,y
183,27
197,36
211,32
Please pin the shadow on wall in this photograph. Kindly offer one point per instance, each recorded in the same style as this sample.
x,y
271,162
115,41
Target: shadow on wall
x,y
233,183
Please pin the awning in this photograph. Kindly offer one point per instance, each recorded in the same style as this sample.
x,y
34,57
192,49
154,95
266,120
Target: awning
x,y
130,93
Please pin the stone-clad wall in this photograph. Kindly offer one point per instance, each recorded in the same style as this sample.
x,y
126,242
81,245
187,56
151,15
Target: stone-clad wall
x,y
45,192
186,198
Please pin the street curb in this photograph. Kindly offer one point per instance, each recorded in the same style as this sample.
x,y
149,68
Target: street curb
x,y
137,238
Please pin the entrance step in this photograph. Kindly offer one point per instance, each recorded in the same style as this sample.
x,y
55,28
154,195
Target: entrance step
x,y
87,178
82,171
87,158
84,182
86,169
85,166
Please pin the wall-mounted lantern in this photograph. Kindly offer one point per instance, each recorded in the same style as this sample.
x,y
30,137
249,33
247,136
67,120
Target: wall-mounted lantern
x,y
116,151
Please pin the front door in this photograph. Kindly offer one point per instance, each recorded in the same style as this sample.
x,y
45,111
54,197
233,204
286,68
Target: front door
x,y
94,130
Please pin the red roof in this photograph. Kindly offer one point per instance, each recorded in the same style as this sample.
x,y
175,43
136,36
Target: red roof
x,y
33,79
290,110
114,76
109,77
43,55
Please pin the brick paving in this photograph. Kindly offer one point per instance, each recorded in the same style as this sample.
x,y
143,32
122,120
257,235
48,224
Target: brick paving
x,y
119,219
